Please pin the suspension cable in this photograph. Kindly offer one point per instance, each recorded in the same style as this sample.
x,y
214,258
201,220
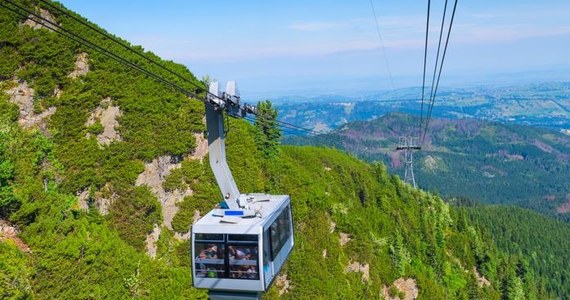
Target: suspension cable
x,y
382,44
432,98
76,38
425,67
121,43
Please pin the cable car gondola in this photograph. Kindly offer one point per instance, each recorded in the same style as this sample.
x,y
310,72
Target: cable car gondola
x,y
237,251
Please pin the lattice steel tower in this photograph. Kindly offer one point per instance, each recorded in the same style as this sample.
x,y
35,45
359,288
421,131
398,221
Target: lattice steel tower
x,y
409,144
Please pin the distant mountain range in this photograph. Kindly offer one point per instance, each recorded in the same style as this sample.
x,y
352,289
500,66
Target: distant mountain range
x,y
541,104
486,161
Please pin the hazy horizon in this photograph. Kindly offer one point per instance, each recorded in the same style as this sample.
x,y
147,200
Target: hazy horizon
x,y
319,47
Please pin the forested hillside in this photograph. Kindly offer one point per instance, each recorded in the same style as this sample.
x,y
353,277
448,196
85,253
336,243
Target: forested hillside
x,y
486,161
543,241
103,170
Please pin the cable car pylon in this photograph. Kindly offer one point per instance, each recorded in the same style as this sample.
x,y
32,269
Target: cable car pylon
x,y
408,144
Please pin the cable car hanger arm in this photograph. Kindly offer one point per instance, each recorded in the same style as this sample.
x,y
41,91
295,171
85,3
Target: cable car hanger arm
x,y
216,103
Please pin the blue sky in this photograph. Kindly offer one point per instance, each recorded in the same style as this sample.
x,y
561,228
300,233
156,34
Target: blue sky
x,y
275,48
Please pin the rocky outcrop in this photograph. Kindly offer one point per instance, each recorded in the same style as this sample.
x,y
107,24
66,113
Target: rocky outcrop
x,y
81,66
57,92
332,226
23,96
107,115
83,199
151,240
102,199
565,207
358,267
344,238
283,284
481,280
430,162
153,176
201,149
9,232
406,286
42,24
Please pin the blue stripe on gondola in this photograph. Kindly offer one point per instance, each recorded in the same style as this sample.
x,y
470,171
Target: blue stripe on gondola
x,y
233,212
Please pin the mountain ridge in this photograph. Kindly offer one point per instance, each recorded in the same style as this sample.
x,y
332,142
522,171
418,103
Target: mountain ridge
x,y
516,164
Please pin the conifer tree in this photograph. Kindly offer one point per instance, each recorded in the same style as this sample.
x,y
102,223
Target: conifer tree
x,y
515,289
267,135
8,201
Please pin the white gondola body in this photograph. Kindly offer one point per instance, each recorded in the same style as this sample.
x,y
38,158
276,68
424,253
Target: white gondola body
x,y
242,254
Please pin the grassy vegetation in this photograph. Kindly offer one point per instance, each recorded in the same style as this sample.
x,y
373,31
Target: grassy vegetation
x,y
80,254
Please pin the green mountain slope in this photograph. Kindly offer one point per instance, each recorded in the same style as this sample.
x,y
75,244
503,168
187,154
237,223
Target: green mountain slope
x,y
486,161
545,242
96,165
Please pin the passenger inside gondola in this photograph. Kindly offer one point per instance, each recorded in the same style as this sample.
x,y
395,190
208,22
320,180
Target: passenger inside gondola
x,y
210,261
211,251
243,252
243,261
